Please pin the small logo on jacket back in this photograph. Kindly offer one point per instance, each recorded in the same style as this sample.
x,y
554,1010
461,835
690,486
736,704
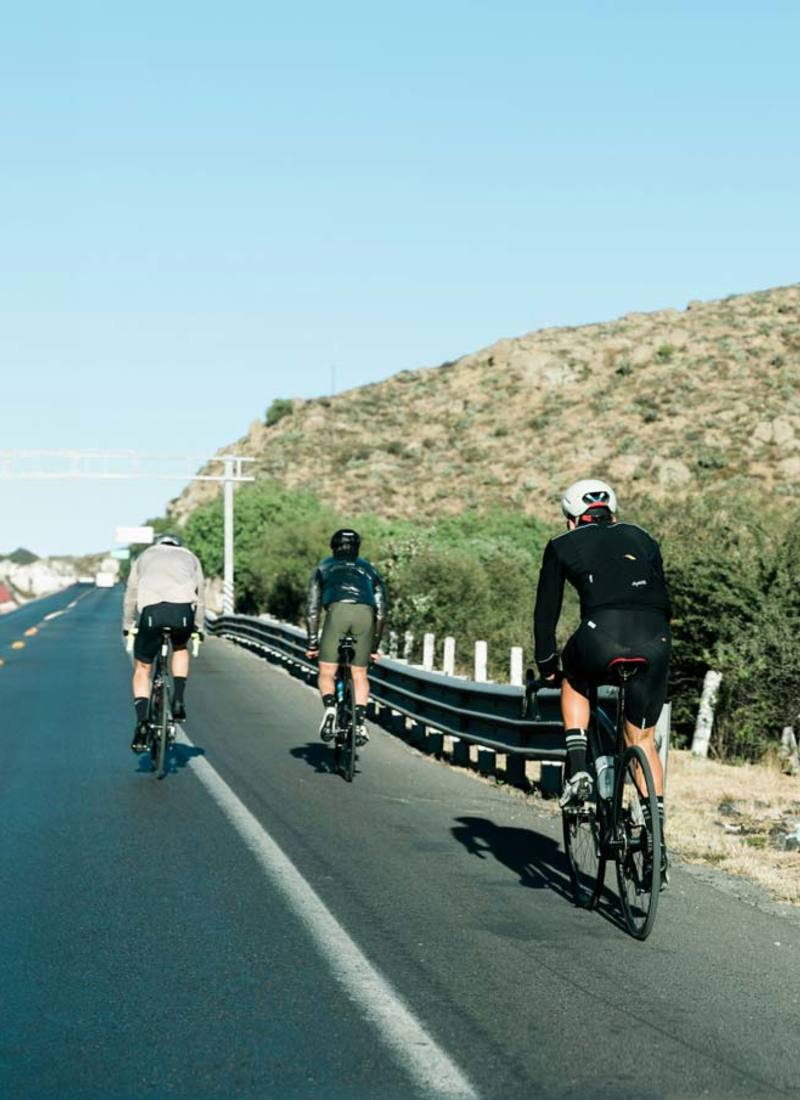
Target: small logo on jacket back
x,y
638,584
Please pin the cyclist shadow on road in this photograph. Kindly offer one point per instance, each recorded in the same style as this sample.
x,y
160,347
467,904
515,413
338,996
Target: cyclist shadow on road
x,y
179,756
538,860
317,755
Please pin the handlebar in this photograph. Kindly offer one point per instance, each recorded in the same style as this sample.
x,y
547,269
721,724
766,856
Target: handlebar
x,y
533,685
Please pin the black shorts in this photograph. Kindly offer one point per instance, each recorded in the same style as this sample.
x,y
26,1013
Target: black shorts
x,y
609,634
178,616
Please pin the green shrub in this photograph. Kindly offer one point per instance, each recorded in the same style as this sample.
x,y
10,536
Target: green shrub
x,y
280,407
732,561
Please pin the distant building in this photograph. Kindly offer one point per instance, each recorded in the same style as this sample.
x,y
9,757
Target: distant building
x,y
7,601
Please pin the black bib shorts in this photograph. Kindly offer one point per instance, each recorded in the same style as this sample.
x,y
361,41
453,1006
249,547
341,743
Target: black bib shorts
x,y
178,616
623,633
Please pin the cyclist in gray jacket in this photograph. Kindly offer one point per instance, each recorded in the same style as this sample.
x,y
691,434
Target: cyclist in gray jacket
x,y
165,588
352,592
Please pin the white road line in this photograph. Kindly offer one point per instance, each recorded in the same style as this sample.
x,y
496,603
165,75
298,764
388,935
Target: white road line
x,y
434,1072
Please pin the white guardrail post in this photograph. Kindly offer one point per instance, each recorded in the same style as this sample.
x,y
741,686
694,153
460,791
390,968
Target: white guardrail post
x,y
515,670
481,662
449,657
428,651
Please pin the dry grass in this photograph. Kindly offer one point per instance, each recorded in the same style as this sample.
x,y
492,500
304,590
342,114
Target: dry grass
x,y
727,816
704,395
706,802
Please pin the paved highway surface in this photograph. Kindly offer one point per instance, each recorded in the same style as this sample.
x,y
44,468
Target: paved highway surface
x,y
253,926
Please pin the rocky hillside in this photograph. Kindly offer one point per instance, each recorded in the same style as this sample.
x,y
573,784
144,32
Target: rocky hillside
x,y
672,401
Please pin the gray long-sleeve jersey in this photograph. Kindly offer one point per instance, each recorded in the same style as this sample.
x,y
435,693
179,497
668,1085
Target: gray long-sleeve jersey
x,y
165,574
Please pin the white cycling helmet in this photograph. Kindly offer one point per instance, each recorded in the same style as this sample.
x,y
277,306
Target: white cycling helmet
x,y
584,495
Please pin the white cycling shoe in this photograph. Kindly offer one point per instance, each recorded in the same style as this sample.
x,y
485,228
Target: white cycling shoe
x,y
576,789
327,726
362,737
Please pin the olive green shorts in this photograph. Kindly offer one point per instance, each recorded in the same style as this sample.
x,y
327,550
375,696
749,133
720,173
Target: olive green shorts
x,y
359,619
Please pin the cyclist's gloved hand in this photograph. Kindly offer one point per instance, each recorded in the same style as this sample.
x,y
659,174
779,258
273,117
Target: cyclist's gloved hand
x,y
200,635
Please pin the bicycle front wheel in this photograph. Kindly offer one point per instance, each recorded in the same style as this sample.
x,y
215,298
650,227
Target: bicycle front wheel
x,y
583,845
639,839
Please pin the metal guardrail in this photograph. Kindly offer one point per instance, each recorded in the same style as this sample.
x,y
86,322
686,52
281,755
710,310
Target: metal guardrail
x,y
483,714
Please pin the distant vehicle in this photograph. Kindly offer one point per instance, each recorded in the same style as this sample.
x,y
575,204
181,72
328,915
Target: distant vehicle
x,y
87,579
105,580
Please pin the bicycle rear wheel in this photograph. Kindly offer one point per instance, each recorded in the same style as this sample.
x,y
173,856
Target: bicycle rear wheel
x,y
349,746
639,835
584,847
153,711
162,729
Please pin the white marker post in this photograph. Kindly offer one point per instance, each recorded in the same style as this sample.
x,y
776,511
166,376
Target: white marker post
x,y
481,662
449,658
705,713
515,671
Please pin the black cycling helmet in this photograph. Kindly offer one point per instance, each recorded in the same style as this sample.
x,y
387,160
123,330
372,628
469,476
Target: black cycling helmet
x,y
168,540
346,541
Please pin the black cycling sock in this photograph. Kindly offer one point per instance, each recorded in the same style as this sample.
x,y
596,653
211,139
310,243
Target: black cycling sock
x,y
329,700
142,707
178,688
576,750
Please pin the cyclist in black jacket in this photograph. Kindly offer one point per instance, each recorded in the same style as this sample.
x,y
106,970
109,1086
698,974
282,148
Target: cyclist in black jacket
x,y
625,611
352,592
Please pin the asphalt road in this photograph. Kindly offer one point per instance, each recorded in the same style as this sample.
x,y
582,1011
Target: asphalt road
x,y
253,926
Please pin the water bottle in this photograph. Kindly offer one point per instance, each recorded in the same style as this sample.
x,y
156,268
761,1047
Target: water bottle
x,y
339,691
604,766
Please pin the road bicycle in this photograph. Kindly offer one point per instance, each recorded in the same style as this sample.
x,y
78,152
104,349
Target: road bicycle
x,y
619,819
161,728
160,725
344,745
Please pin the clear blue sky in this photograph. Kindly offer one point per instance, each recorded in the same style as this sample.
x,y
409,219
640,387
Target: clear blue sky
x,y
204,206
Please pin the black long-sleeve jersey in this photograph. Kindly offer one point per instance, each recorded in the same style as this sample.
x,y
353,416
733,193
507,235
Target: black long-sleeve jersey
x,y
612,565
345,580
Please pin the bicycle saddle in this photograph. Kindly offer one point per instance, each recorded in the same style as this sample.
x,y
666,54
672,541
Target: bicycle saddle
x,y
626,666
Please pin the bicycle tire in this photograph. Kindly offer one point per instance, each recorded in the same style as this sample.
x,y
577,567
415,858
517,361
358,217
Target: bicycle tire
x,y
350,742
162,731
583,846
153,709
639,861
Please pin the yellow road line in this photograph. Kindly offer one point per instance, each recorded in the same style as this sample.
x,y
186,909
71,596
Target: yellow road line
x,y
17,645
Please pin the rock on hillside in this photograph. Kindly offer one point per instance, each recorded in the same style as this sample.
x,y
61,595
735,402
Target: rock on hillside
x,y
670,400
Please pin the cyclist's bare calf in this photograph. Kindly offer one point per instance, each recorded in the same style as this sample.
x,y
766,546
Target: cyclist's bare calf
x,y
327,677
575,713
142,671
